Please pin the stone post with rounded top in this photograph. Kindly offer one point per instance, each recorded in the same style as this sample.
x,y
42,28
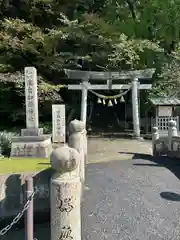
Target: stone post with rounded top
x,y
78,140
155,136
172,132
65,194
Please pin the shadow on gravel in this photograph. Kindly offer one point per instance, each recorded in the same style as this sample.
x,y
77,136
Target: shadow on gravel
x,y
110,136
41,232
170,196
172,164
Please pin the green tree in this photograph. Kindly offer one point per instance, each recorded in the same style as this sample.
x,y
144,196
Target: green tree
x,y
53,35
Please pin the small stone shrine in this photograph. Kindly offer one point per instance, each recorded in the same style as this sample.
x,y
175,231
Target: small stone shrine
x,y
32,142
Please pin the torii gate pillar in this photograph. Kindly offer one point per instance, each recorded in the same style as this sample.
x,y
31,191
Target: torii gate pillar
x,y
135,108
84,94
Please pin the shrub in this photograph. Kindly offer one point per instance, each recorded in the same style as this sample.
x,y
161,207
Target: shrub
x,y
47,127
5,142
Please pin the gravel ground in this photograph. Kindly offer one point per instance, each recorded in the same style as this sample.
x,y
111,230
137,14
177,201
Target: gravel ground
x,y
136,199
108,149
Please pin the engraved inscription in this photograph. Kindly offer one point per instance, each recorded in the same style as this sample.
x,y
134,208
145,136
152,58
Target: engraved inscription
x,y
40,150
58,123
31,97
65,233
65,205
29,150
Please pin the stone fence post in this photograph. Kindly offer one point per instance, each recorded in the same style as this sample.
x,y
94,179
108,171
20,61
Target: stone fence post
x,y
78,140
172,132
65,194
155,136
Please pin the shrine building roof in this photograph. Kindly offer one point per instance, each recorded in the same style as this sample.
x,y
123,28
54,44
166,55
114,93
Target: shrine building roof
x,y
160,101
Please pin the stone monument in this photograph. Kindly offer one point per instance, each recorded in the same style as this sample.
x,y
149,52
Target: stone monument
x,y
58,123
65,194
32,142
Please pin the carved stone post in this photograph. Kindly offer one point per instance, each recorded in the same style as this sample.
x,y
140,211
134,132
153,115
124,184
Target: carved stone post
x,y
172,132
65,194
77,140
155,136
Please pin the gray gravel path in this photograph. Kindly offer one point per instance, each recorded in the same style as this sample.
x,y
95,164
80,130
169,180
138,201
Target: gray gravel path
x,y
124,201
136,199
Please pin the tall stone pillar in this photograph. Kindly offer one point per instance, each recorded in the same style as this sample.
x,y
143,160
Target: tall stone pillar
x,y
31,97
32,142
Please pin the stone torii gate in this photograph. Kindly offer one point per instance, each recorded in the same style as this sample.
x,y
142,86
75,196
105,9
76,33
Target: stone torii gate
x,y
134,76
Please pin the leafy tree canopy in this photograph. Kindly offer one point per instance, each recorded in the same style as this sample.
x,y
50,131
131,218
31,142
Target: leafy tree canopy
x,y
110,34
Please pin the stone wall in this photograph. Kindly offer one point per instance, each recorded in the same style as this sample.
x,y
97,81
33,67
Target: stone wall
x,y
12,189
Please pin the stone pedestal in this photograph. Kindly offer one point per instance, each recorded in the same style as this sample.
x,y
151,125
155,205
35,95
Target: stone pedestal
x,y
32,132
31,146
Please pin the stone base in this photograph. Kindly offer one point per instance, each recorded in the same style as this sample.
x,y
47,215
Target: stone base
x,y
31,132
31,146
